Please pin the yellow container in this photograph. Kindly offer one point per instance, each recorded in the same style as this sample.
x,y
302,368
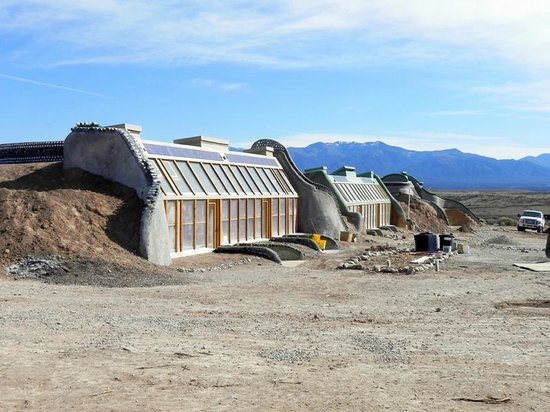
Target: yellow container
x,y
316,237
322,244
463,248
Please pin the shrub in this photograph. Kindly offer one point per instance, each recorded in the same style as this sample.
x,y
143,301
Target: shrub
x,y
506,221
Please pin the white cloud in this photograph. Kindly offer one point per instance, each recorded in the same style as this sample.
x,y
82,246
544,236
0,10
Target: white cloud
x,y
457,113
278,33
217,85
527,97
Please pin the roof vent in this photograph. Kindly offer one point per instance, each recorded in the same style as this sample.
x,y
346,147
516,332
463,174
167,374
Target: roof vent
x,y
264,151
205,142
348,171
133,129
316,169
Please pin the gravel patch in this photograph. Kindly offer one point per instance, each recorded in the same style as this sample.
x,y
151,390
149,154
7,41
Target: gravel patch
x,y
289,355
384,349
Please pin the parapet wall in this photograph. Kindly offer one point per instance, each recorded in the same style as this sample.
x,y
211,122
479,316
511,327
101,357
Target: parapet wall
x,y
454,212
398,217
318,210
118,156
356,219
447,205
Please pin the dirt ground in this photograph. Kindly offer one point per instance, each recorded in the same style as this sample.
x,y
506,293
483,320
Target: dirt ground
x,y
490,205
230,332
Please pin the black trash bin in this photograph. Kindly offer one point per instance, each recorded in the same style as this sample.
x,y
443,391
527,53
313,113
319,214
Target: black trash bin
x,y
446,242
425,242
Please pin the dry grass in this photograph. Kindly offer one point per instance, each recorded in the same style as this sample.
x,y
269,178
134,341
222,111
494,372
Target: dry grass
x,y
494,205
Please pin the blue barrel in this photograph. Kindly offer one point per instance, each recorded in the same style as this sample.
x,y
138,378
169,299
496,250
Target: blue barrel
x,y
425,242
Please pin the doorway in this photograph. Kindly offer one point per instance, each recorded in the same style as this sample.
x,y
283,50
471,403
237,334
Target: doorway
x,y
213,224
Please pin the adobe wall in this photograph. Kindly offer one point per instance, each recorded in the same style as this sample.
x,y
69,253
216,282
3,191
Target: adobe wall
x,y
117,156
356,219
318,210
398,216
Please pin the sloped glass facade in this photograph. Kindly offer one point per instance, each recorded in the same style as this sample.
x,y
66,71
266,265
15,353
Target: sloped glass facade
x,y
362,194
214,199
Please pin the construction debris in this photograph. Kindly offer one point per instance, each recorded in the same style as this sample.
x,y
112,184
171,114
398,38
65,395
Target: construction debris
x,y
379,259
33,268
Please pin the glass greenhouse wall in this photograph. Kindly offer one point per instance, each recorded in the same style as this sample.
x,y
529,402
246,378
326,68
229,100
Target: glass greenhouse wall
x,y
362,193
367,199
215,197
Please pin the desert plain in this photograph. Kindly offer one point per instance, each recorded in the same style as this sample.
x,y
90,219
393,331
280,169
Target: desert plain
x,y
109,331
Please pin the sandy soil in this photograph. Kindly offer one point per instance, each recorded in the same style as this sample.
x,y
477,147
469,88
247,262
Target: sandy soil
x,y
262,336
229,332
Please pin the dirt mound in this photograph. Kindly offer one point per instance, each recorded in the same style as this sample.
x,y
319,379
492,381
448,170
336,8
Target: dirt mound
x,y
44,212
425,216
86,224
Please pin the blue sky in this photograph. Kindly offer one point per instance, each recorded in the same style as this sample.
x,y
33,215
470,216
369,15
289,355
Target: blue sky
x,y
422,74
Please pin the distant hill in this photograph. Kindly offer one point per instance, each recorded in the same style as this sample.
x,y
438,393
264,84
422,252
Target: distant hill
x,y
541,160
440,169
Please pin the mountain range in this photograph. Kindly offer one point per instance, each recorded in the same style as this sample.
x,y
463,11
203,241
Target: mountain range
x,y
439,169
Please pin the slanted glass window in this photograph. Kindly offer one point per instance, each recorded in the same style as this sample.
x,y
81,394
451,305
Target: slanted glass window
x,y
190,177
234,182
357,192
364,192
241,179
220,188
249,180
203,178
340,188
349,189
225,180
177,177
164,185
279,175
374,193
268,181
274,181
351,192
258,180
285,182
370,193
